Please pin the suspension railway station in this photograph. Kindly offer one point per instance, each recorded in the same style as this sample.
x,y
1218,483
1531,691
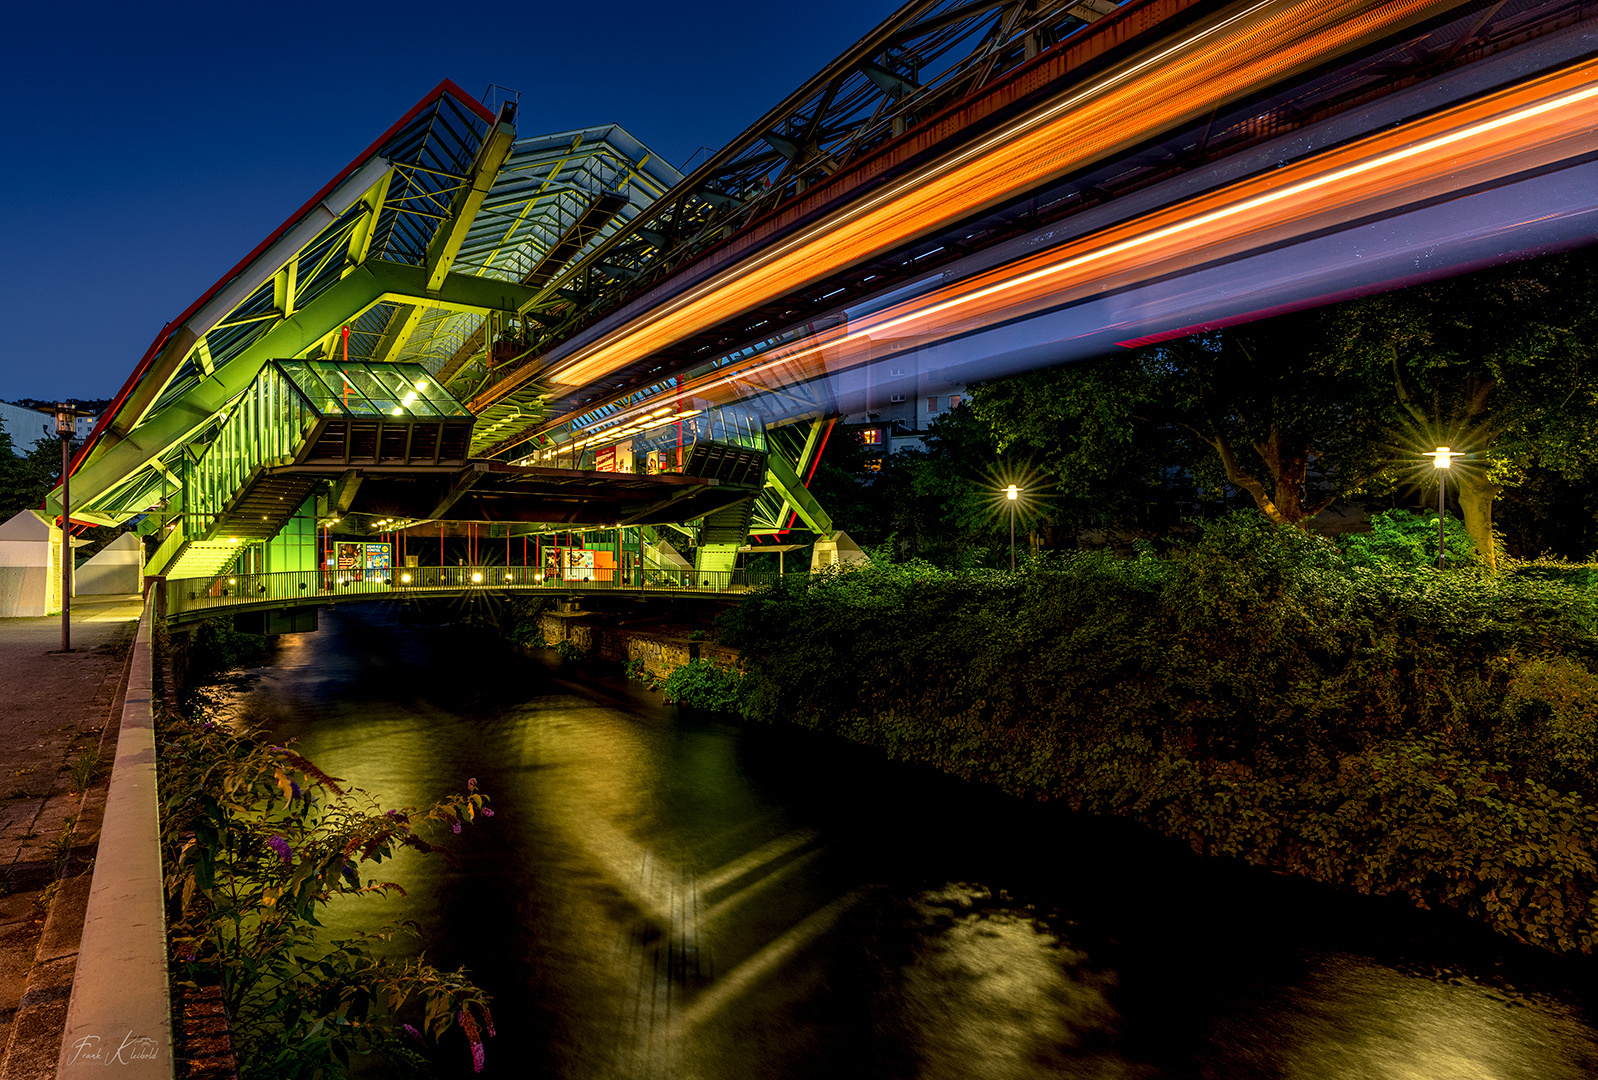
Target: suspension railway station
x,y
479,357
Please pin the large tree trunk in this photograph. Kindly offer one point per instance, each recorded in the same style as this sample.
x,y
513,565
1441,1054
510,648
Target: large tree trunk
x,y
1476,495
1287,463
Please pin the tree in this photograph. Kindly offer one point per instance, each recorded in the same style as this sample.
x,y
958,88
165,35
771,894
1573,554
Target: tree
x,y
942,499
1265,408
25,480
1499,364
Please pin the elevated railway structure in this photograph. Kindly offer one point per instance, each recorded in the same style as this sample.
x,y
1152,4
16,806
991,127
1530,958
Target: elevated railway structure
x,y
974,188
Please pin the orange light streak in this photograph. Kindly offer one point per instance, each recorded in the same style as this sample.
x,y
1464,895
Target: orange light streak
x,y
1544,121
1251,49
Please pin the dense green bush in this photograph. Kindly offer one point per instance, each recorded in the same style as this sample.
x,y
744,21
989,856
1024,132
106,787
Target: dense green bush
x,y
1405,538
522,624
215,646
702,684
1258,693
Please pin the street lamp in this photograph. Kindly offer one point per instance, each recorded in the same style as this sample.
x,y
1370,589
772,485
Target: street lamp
x,y
1012,495
1442,460
65,426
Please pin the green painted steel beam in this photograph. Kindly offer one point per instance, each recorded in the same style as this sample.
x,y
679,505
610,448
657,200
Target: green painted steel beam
x,y
781,476
451,234
116,462
812,446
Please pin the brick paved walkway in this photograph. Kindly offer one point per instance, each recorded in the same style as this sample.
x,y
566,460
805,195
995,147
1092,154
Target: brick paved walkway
x,y
53,708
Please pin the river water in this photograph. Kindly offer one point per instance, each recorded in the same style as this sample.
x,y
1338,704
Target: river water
x,y
667,896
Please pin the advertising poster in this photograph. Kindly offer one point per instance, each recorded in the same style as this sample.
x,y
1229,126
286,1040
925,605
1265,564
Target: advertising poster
x,y
349,560
577,565
618,458
378,561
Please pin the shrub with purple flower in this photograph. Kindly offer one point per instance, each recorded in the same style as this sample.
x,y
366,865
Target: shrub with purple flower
x,y
229,799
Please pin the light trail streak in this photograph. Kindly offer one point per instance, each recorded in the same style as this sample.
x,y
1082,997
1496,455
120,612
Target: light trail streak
x,y
1256,47
1545,121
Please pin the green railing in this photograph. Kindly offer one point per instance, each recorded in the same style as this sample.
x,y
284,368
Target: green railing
x,y
267,427
186,596
318,412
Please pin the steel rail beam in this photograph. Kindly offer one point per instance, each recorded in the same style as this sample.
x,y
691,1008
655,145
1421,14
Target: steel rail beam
x,y
781,476
447,241
867,47
1161,88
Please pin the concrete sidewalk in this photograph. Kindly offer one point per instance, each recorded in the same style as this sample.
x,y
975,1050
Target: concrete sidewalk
x,y
53,707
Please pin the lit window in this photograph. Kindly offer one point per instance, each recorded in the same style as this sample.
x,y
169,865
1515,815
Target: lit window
x,y
954,399
871,436
932,404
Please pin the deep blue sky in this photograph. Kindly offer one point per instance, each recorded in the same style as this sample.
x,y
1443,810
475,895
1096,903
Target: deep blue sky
x,y
148,147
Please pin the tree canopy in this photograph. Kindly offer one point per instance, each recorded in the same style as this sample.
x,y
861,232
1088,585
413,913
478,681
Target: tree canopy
x,y
1291,414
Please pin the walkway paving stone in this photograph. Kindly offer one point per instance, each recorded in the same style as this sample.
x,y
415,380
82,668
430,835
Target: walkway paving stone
x,y
53,707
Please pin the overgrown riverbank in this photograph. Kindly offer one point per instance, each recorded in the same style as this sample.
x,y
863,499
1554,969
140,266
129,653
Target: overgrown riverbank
x,y
1258,694
256,843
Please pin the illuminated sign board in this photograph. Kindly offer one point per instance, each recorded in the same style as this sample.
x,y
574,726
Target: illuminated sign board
x,y
354,561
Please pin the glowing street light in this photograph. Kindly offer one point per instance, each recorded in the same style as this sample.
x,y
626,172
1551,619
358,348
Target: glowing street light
x,y
477,578
1012,495
1442,459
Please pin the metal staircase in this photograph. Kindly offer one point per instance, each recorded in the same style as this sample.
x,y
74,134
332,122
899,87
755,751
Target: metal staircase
x,y
297,421
181,557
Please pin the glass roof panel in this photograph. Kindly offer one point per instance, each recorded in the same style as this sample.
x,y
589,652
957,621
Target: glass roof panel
x,y
364,393
361,389
403,380
322,399
441,398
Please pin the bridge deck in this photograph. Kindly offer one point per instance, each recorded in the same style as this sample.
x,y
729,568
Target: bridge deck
x,y
188,599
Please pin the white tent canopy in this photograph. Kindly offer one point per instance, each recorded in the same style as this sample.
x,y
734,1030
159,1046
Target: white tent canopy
x,y
117,568
30,567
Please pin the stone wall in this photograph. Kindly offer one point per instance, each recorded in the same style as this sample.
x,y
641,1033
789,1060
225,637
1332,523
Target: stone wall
x,y
661,653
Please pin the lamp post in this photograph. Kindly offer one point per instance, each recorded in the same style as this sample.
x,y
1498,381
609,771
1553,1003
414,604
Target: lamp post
x,y
1442,460
65,424
1012,495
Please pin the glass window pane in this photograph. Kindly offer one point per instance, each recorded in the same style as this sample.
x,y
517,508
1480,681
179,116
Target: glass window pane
x,y
322,397
404,378
346,388
427,387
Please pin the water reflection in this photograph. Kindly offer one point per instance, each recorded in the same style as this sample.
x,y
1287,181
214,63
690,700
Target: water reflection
x,y
661,897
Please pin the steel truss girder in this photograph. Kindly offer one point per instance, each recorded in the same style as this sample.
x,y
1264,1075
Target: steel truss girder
x,y
118,463
838,114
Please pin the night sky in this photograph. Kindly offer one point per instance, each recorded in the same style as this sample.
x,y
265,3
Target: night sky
x,y
147,148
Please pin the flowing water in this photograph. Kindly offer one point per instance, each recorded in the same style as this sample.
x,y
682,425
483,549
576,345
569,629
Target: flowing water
x,y
661,896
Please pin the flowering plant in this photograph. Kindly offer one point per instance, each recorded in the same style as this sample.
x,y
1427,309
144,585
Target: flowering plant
x,y
257,840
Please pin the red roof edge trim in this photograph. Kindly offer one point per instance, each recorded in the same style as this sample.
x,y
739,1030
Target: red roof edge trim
x,y
445,87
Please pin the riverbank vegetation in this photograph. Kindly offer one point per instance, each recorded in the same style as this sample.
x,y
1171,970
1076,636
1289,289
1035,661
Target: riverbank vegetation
x,y
1315,419
1348,714
257,843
